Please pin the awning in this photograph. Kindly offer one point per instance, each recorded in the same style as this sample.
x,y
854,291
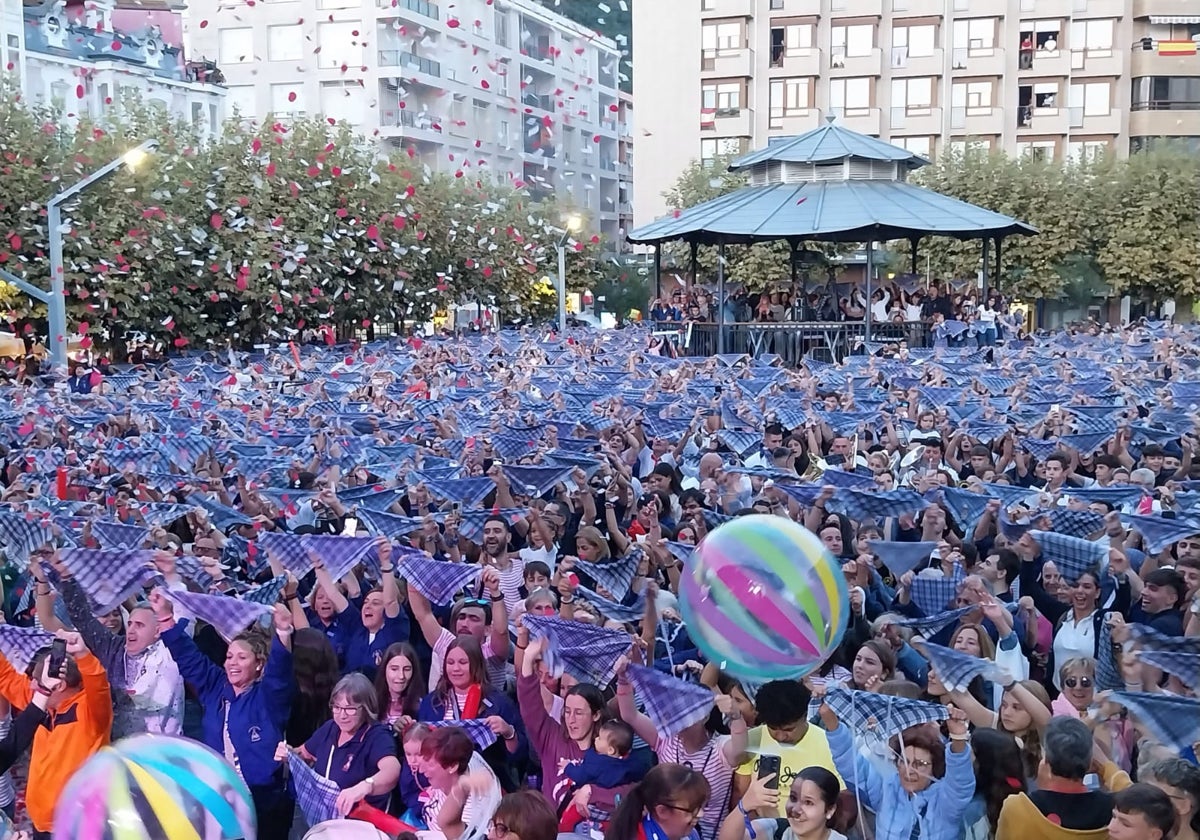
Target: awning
x,y
1175,20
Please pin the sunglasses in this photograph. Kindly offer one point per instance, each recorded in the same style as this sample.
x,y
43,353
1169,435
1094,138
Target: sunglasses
x,y
1078,682
476,602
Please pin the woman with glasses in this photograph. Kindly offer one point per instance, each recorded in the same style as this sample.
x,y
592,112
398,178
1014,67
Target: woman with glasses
x,y
1078,680
926,794
666,805
354,749
524,815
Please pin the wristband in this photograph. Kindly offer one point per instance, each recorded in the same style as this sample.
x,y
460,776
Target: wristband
x,y
163,619
38,688
963,737
388,570
496,599
567,599
750,832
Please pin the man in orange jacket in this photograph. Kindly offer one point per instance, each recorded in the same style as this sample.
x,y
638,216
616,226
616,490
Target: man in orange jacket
x,y
79,724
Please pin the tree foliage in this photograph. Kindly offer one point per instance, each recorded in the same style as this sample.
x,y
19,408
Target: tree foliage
x,y
1107,226
264,231
756,267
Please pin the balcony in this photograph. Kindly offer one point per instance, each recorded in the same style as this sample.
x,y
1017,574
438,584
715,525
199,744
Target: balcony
x,y
541,102
727,122
913,120
1097,63
422,9
726,8
978,61
857,8
797,62
401,122
905,65
842,65
1045,62
1165,119
1085,9
796,121
1163,8
918,8
1033,120
413,63
1150,63
978,121
727,63
862,120
1082,123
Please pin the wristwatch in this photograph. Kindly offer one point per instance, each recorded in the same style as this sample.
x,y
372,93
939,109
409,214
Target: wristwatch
x,y
370,780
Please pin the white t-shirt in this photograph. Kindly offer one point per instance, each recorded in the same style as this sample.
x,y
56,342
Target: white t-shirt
x,y
497,668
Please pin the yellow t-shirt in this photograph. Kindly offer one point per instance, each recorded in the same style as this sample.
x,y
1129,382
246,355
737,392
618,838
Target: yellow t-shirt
x,y
811,751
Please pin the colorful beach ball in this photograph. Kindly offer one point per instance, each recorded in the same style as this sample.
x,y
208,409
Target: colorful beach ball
x,y
764,599
155,787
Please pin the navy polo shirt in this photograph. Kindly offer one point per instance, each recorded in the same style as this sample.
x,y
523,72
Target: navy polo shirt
x,y
364,653
354,760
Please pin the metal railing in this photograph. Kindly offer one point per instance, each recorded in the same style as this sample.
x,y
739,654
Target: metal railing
x,y
793,341
1165,105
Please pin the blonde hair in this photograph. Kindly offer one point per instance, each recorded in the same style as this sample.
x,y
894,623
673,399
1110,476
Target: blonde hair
x,y
1084,664
593,536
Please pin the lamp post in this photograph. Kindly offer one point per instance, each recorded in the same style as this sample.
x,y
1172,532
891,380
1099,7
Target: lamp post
x,y
571,224
55,299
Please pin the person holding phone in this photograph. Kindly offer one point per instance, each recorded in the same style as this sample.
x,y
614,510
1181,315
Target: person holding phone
x,y
80,717
813,809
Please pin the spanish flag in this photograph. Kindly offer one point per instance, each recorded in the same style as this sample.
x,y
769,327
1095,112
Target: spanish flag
x,y
1176,47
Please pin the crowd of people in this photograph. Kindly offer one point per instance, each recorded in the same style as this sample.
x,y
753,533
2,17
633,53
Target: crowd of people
x,y
431,586
951,317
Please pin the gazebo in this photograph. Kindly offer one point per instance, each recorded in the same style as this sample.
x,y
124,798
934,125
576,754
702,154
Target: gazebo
x,y
827,185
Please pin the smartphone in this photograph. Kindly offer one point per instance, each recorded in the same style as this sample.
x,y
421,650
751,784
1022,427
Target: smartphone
x,y
58,655
351,527
456,508
769,765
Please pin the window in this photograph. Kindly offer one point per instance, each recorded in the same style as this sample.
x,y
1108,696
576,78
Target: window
x,y
977,35
1091,39
287,100
853,41
720,37
776,5
922,146
1040,149
285,43
850,97
1084,151
235,46
913,42
975,97
340,44
243,99
913,96
790,40
1094,99
501,28
712,148
344,101
337,4
1166,93
725,98
789,98
1042,38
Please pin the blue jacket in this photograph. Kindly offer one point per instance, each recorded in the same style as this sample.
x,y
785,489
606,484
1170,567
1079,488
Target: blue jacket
x,y
940,807
363,653
256,717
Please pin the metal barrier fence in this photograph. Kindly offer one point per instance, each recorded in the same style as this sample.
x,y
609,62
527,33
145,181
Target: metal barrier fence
x,y
793,341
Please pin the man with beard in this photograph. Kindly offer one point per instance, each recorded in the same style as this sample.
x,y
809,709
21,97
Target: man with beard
x,y
484,618
509,565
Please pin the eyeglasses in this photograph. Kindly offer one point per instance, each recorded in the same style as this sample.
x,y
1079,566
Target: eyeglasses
x,y
345,710
1078,682
498,828
693,813
919,763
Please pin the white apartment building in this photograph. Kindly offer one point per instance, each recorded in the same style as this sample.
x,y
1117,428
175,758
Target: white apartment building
x,y
508,87
1049,77
84,59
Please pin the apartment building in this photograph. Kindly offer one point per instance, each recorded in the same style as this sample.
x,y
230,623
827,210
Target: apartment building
x,y
1060,78
83,59
505,86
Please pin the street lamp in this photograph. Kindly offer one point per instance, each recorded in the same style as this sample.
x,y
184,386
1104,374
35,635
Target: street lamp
x,y
571,224
55,299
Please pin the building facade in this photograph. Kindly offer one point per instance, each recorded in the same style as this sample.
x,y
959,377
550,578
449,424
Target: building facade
x,y
1062,78
507,87
84,60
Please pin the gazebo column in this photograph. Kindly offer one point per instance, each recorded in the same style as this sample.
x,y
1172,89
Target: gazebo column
x,y
986,242
999,245
870,270
912,249
658,270
720,297
694,248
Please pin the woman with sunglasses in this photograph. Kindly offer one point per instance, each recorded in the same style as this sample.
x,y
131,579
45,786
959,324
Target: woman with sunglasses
x,y
354,749
666,805
927,793
1078,680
